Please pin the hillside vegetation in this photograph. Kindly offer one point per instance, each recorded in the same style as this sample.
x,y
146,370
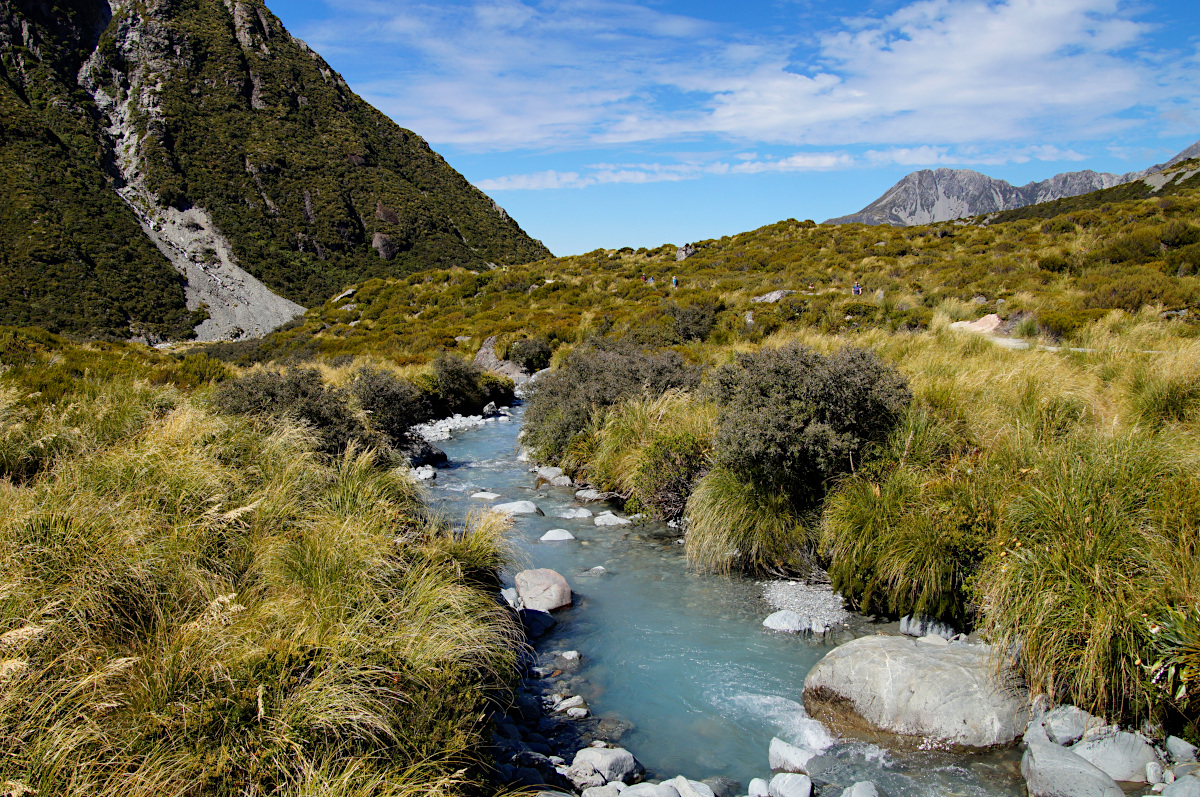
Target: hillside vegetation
x,y
1045,278
199,602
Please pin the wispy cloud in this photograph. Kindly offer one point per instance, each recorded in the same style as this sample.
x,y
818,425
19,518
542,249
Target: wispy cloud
x,y
501,75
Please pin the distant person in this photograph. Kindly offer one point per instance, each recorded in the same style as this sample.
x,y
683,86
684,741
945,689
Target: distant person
x,y
674,282
812,286
650,281
643,278
857,289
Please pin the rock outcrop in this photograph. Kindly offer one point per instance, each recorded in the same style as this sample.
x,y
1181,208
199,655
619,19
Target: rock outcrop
x,y
487,359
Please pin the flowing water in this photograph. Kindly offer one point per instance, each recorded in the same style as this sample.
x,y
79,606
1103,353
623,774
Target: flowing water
x,y
681,656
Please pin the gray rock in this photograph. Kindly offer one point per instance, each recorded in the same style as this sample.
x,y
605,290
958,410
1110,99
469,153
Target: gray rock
x,y
650,790
557,535
536,623
548,473
585,776
490,410
518,508
1179,750
601,791
1053,771
948,693
487,359
543,590
789,785
1066,724
919,625
574,512
614,763
484,495
722,786
1122,755
864,788
1154,772
510,597
609,519
561,481
770,298
784,757
575,701
787,621
758,788
588,495
1188,786
690,788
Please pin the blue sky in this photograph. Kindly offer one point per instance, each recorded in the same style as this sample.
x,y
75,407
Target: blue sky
x,y
609,123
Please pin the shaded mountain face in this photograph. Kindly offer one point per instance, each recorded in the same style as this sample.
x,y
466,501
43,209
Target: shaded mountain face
x,y
169,156
928,196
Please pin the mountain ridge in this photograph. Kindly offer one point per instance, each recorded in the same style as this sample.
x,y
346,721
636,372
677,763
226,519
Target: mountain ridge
x,y
928,196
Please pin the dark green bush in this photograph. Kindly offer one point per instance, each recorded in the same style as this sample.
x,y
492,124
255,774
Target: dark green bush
x,y
393,404
458,384
1055,262
667,475
530,354
597,375
298,394
792,418
1058,224
694,321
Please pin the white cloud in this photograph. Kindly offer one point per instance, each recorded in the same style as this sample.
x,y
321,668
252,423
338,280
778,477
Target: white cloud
x,y
503,75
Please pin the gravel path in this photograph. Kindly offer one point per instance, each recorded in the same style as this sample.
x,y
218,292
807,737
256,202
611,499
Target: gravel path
x,y
818,601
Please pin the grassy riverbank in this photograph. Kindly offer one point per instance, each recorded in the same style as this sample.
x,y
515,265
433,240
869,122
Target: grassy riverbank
x,y
1050,500
204,603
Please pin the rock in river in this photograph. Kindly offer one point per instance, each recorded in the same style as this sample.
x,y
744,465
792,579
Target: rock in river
x,y
787,621
614,763
947,692
1122,755
518,508
1053,771
543,590
557,535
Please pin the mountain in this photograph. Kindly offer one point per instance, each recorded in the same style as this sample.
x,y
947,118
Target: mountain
x,y
928,196
168,163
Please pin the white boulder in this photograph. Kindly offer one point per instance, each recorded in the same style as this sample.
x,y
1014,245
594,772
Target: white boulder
x,y
557,535
574,512
690,788
864,788
1121,755
784,757
786,621
542,589
788,784
484,495
1053,771
518,508
609,519
614,763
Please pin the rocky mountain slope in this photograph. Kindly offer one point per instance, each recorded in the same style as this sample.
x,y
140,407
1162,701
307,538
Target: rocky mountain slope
x,y
928,196
168,163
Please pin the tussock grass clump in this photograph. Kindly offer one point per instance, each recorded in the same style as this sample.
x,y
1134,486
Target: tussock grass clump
x,y
732,525
205,607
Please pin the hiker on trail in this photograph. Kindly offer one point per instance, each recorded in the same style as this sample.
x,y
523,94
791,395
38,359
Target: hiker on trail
x,y
674,282
857,289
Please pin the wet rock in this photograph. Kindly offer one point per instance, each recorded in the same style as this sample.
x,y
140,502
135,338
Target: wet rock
x,y
548,473
810,734
758,788
609,519
490,410
543,589
689,788
424,473
574,512
790,785
484,495
557,535
1121,755
575,701
536,623
419,451
920,625
614,763
723,787
784,757
561,481
864,788
947,693
518,508
1066,724
510,597
1053,771
584,776
786,621
588,495
1179,750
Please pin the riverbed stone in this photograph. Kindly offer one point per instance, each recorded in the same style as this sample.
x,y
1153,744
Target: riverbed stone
x,y
484,495
588,495
723,786
690,788
784,757
788,784
609,519
561,481
574,512
1154,772
1179,750
786,621
1188,786
543,589
536,623
584,776
758,788
1067,724
557,535
650,790
864,788
1053,771
1122,755
947,693
614,763
518,508
601,791
548,473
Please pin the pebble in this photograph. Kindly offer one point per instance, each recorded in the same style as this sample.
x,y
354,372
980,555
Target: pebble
x,y
815,601
436,431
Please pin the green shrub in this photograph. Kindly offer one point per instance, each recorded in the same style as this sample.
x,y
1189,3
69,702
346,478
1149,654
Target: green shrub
x,y
393,404
298,394
792,418
531,354
1059,224
667,474
694,321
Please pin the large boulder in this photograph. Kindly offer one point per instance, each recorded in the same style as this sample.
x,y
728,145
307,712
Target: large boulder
x,y
487,359
899,685
690,788
1067,724
518,508
1121,755
1053,771
614,763
784,757
542,590
790,785
864,788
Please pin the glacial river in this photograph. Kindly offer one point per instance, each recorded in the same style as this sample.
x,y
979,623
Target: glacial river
x,y
679,655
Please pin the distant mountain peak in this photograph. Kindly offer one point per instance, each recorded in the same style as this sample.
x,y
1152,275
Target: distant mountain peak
x,y
932,195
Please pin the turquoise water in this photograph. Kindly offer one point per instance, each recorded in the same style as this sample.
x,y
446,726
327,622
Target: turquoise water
x,y
682,656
